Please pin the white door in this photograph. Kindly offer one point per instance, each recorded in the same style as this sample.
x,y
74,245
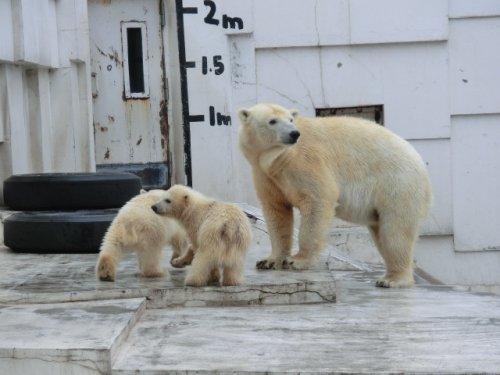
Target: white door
x,y
128,88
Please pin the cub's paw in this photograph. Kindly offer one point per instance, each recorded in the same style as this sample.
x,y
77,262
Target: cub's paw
x,y
184,260
105,269
154,273
194,281
179,262
268,264
214,276
296,263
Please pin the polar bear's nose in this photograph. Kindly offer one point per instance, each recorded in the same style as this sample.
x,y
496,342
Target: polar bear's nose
x,y
294,135
154,208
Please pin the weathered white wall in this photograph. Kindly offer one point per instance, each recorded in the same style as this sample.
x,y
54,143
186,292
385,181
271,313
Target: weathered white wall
x,y
433,66
45,102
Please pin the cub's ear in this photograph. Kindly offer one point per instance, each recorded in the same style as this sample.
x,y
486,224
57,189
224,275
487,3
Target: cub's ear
x,y
244,115
143,191
294,112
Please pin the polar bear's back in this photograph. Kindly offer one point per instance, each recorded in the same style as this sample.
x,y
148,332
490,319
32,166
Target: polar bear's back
x,y
372,165
136,221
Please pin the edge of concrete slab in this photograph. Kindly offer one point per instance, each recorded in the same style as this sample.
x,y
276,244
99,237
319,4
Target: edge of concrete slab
x,y
43,338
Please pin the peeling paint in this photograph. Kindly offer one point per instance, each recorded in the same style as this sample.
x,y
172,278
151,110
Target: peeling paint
x,y
111,118
106,154
139,141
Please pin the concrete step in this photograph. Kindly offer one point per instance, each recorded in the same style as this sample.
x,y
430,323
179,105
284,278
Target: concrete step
x,y
65,338
425,330
56,318
53,278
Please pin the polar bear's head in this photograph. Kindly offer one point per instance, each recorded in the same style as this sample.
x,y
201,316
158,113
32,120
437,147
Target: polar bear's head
x,y
173,202
267,125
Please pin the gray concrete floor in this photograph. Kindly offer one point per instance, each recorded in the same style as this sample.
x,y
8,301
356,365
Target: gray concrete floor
x,y
56,318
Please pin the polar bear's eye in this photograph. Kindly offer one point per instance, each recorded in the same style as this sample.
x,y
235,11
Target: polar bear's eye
x,y
273,122
168,200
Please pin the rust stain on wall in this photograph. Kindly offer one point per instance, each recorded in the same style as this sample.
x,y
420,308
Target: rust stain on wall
x,y
164,128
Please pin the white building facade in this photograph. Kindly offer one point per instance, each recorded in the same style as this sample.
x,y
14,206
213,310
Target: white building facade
x,y
427,69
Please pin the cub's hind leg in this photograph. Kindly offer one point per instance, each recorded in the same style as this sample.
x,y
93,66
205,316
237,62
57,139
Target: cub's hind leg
x,y
150,262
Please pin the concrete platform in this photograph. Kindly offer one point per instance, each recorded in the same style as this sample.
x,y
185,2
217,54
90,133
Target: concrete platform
x,y
52,278
56,318
425,330
65,338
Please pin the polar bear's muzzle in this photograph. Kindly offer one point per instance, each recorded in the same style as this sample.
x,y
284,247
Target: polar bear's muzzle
x,y
292,137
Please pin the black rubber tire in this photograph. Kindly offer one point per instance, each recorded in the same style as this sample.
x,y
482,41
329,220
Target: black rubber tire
x,y
57,232
69,191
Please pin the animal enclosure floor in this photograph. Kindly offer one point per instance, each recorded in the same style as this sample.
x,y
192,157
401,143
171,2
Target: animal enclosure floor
x,y
43,278
55,317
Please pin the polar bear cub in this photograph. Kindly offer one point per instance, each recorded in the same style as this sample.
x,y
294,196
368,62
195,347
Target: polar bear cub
x,y
350,167
137,229
220,233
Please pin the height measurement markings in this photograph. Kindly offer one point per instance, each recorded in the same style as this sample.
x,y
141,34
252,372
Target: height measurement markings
x,y
212,64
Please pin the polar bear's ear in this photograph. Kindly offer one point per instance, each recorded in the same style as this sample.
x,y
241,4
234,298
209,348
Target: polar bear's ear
x,y
294,112
143,191
244,114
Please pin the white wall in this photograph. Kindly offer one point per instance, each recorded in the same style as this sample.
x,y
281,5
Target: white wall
x,y
45,102
432,64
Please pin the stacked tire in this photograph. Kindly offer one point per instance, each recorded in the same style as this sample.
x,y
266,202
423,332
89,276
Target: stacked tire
x,y
64,212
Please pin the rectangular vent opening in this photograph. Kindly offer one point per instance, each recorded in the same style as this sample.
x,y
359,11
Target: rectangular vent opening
x,y
369,112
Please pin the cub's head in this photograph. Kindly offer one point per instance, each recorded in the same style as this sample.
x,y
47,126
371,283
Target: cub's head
x,y
267,125
173,201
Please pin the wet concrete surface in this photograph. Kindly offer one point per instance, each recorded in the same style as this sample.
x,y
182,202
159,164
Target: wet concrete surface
x,y
55,317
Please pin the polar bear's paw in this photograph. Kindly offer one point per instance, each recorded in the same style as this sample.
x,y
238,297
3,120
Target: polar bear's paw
x,y
106,268
179,262
296,263
269,263
154,273
392,282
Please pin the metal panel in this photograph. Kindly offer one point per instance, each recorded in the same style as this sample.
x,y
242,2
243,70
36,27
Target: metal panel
x,y
476,181
474,65
130,127
389,21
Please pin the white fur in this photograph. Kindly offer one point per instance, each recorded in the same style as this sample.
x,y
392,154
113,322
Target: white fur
x,y
346,166
136,228
220,233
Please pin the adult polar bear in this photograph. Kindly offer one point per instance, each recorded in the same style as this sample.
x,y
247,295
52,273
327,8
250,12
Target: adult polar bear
x,y
346,166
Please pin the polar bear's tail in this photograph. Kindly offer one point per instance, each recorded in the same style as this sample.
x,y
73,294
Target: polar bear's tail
x,y
237,234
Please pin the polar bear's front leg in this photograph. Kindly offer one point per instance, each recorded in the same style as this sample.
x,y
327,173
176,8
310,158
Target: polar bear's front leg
x,y
279,219
316,218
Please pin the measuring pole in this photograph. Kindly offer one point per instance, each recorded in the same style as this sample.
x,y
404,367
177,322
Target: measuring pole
x,y
180,10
